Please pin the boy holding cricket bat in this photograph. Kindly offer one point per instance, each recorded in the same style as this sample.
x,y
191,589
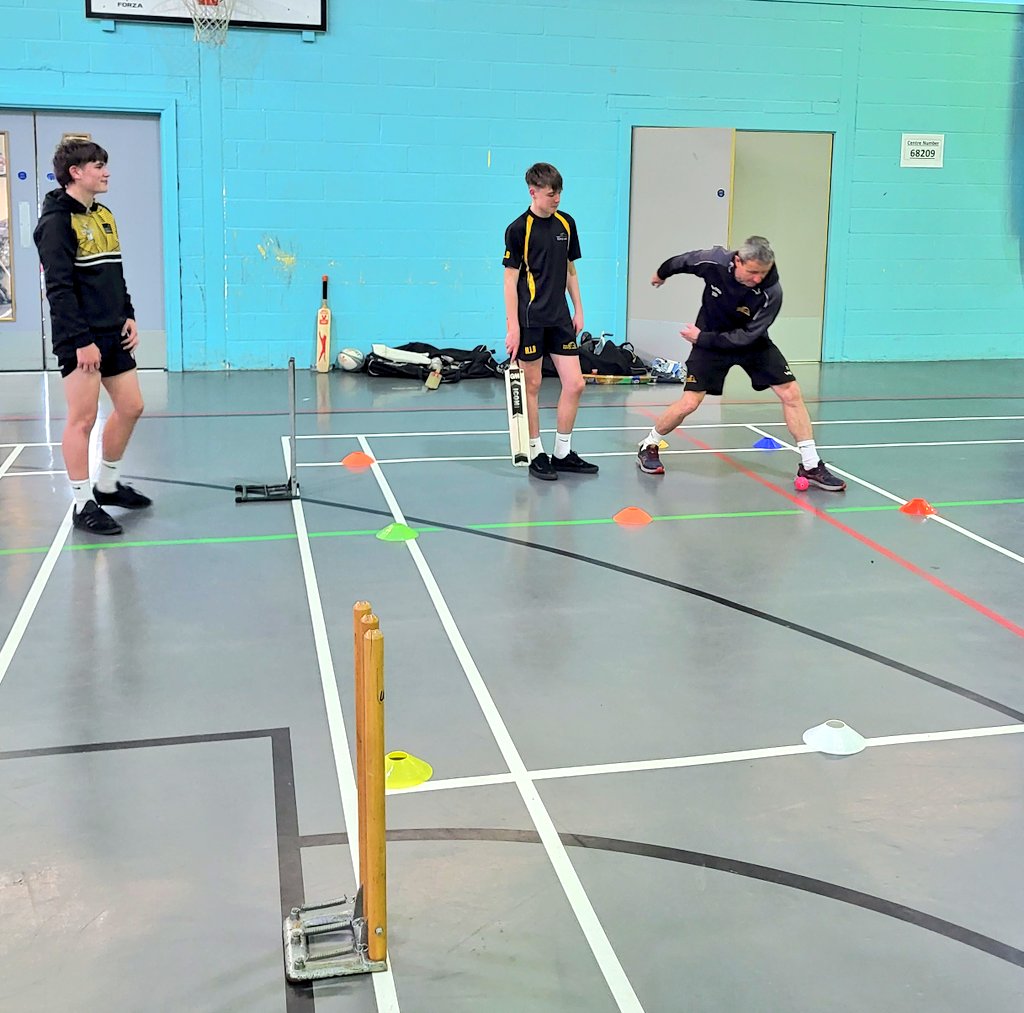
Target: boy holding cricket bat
x,y
541,246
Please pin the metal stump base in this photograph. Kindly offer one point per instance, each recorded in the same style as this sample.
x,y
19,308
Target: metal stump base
x,y
266,493
327,945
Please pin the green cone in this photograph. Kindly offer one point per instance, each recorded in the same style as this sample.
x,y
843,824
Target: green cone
x,y
396,533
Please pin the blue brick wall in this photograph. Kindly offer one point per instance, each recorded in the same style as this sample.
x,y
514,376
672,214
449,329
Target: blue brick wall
x,y
390,154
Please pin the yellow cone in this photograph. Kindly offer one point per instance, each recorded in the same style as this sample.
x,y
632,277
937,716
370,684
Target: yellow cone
x,y
401,770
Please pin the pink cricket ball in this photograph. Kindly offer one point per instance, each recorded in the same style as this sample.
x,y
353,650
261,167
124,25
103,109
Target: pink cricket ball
x,y
801,483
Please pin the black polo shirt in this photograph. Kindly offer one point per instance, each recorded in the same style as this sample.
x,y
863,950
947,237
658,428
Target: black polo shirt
x,y
541,249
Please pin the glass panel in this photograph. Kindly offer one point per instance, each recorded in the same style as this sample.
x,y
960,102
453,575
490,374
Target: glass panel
x,y
6,265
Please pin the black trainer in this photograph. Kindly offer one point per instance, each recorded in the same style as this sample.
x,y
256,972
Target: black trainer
x,y
122,496
95,519
572,462
820,476
649,461
540,467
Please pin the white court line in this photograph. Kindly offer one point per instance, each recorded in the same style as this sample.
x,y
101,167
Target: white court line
x,y
11,458
35,592
644,429
3,446
27,474
913,443
897,422
406,460
936,518
600,945
383,981
475,781
709,759
670,452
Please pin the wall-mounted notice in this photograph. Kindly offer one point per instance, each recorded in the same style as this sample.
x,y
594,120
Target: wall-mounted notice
x,y
922,151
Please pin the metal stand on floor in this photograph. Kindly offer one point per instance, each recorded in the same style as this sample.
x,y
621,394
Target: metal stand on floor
x,y
329,945
290,489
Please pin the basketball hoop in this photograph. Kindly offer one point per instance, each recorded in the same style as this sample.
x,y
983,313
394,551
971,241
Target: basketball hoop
x,y
211,19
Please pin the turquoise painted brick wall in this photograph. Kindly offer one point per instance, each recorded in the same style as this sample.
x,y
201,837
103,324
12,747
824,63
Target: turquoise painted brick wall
x,y
390,153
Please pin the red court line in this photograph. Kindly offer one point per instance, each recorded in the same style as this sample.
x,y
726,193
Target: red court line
x,y
893,557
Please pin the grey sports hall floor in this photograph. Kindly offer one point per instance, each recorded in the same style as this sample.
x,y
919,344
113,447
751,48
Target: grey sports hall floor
x,y
623,815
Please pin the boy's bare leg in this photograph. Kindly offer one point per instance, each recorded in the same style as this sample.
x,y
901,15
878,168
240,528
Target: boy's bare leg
x,y
564,458
128,406
532,375
569,372
82,392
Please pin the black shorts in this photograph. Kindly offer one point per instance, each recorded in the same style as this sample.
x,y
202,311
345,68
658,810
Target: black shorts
x,y
114,360
766,366
535,342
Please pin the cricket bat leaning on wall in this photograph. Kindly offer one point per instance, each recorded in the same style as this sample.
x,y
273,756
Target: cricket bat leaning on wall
x,y
323,334
518,426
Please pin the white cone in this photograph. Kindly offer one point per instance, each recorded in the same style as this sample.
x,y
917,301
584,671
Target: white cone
x,y
835,737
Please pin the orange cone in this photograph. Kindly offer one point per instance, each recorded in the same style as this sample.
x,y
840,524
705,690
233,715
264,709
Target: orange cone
x,y
632,517
357,461
918,508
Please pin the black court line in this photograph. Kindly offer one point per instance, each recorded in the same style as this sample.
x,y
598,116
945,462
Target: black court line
x,y
807,631
298,997
716,863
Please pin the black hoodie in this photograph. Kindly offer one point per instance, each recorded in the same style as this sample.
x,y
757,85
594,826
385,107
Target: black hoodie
x,y
81,258
732,317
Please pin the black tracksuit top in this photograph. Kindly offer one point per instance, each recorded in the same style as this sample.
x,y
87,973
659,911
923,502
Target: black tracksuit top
x,y
732,317
81,257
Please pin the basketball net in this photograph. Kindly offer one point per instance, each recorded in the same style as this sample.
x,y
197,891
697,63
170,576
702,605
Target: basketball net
x,y
211,19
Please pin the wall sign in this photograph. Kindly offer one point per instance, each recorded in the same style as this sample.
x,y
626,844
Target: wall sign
x,y
922,151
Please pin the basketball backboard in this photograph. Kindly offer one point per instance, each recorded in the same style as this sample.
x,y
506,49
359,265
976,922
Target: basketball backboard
x,y
302,15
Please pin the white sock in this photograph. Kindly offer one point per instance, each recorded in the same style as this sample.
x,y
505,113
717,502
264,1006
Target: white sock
x,y
562,442
808,454
82,492
536,447
652,437
110,472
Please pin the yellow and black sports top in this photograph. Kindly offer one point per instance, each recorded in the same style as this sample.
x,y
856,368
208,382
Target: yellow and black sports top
x,y
541,248
81,258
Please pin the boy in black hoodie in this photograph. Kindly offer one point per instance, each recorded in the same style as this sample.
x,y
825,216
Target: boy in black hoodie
x,y
94,331
742,298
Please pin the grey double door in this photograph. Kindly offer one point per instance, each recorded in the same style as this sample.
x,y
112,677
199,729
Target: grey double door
x,y
27,143
696,187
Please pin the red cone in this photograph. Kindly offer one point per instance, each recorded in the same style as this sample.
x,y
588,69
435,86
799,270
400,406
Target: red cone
x,y
632,517
357,461
918,508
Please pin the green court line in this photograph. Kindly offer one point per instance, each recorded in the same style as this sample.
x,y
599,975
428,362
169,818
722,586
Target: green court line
x,y
159,542
498,525
238,539
730,515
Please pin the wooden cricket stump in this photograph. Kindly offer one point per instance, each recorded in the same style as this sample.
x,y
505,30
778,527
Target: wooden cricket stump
x,y
353,941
